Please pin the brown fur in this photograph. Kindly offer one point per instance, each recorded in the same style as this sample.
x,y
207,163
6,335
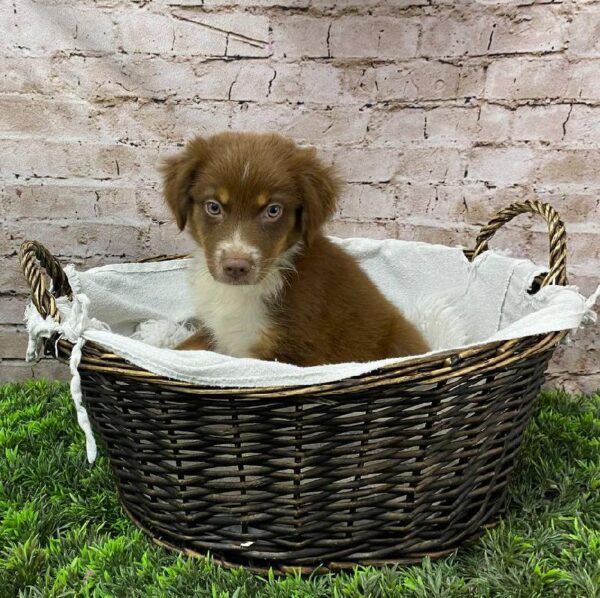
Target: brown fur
x,y
329,311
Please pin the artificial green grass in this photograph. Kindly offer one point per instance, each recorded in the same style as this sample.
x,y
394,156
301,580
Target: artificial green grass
x,y
62,532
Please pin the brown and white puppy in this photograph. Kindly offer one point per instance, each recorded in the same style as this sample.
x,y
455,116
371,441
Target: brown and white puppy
x,y
267,283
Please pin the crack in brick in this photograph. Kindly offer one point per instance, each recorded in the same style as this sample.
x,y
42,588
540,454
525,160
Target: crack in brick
x,y
564,125
491,37
231,86
121,86
271,82
96,210
251,41
328,40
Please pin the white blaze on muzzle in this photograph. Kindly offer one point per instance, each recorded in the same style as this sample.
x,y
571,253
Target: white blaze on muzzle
x,y
237,247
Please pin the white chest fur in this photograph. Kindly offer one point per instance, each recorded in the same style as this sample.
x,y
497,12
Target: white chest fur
x,y
234,316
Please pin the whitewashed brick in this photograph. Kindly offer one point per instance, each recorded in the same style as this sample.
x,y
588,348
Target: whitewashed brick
x,y
150,204
196,40
366,165
451,125
245,3
397,127
429,80
583,125
147,32
128,77
449,36
540,123
244,34
167,239
11,274
584,33
75,202
362,228
359,201
547,78
374,37
12,309
251,82
151,122
301,37
525,29
254,28
238,47
35,116
570,166
531,29
81,239
501,166
430,164
153,33
495,123
10,35
12,370
312,125
305,82
67,160
13,342
28,74
44,28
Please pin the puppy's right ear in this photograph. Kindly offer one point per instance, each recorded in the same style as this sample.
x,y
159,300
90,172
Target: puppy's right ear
x,y
179,173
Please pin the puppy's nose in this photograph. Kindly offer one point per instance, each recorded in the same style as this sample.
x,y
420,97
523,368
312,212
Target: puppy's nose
x,y
236,268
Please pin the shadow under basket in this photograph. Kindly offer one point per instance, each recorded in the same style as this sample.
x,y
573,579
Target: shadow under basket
x,y
407,461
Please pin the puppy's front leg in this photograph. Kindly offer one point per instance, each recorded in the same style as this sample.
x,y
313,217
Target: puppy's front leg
x,y
197,342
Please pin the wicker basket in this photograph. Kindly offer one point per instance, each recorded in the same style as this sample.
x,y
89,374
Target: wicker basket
x,y
407,461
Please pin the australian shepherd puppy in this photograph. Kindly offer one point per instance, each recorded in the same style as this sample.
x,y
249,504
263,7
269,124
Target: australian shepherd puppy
x,y
267,282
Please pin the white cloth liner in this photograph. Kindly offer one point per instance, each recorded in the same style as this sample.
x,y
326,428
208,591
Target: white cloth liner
x,y
454,302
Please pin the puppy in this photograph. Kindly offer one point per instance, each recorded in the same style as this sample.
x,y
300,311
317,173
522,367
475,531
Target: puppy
x,y
267,283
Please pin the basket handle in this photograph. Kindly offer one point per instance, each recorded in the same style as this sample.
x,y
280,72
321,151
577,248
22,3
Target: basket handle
x,y
34,256
557,273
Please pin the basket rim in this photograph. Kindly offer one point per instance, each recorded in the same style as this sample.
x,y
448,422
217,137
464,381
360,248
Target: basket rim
x,y
441,367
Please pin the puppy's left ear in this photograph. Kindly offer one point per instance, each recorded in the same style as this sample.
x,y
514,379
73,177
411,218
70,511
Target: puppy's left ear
x,y
179,172
319,187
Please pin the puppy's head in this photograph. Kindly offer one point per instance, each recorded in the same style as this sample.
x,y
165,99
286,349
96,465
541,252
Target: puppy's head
x,y
247,199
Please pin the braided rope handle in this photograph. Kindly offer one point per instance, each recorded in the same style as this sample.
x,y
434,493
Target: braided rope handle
x,y
557,273
34,256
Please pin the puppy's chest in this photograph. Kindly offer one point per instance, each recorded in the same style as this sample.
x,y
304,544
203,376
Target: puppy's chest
x,y
236,322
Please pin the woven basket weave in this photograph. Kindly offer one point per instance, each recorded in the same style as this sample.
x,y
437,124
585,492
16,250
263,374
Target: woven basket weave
x,y
406,461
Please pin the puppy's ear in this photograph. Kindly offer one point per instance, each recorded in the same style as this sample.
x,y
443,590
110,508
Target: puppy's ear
x,y
319,187
178,173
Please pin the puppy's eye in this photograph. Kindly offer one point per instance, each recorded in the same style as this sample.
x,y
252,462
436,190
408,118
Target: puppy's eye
x,y
213,208
273,211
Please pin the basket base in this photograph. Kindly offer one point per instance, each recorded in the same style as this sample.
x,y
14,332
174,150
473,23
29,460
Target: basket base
x,y
279,569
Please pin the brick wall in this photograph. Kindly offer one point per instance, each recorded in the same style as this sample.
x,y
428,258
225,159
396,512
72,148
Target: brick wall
x,y
437,112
